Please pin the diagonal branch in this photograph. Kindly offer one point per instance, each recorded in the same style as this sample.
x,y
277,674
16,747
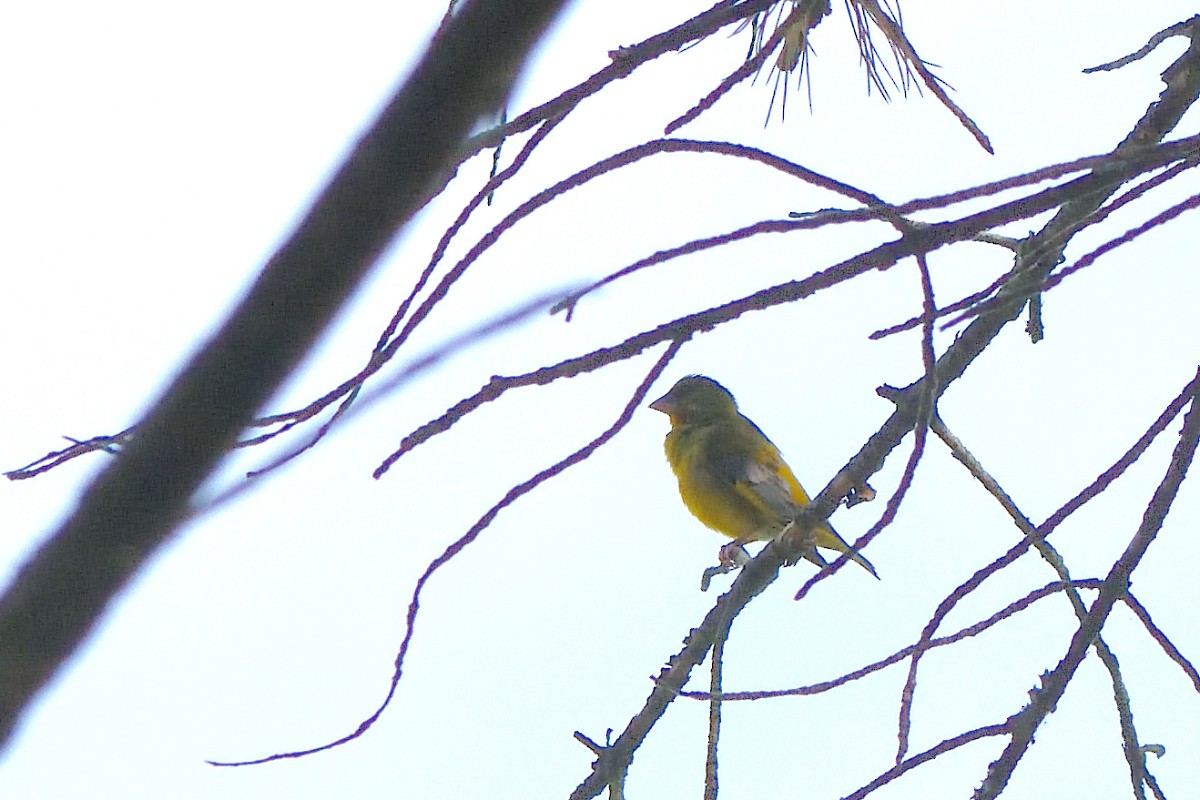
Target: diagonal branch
x,y
128,512
1116,584
456,547
1092,191
1133,754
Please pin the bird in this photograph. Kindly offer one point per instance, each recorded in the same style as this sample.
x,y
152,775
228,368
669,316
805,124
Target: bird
x,y
731,477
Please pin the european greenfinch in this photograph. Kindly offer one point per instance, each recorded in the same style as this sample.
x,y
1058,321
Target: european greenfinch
x,y
731,477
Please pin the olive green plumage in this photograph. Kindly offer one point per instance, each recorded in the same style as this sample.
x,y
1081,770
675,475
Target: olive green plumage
x,y
731,477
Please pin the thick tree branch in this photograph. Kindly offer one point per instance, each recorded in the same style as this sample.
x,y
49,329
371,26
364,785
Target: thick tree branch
x,y
135,504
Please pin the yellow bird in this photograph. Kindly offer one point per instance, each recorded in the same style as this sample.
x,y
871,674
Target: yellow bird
x,y
730,475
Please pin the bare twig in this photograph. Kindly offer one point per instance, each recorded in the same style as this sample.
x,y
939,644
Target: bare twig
x,y
1184,28
466,539
966,228
717,661
944,746
1116,584
1093,490
922,646
1163,640
1133,753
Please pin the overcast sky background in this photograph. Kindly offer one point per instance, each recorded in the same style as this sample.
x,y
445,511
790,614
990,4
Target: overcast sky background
x,y
155,155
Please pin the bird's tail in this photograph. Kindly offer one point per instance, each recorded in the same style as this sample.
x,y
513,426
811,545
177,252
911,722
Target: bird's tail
x,y
828,538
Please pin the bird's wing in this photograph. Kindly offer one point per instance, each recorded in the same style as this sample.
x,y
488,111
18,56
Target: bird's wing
x,y
766,480
761,477
758,473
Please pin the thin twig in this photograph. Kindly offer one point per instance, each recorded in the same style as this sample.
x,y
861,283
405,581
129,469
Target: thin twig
x,y
1178,29
1132,746
639,395
1163,640
1025,724
922,646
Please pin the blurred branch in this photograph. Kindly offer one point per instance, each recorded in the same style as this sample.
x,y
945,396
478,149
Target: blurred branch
x,y
428,360
624,61
544,118
1181,153
136,503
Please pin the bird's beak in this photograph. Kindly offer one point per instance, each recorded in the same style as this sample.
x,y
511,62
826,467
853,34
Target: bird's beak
x,y
663,404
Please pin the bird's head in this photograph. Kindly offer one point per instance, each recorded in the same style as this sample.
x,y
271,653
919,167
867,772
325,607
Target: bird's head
x,y
696,399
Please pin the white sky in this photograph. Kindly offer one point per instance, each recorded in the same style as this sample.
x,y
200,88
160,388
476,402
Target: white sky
x,y
153,157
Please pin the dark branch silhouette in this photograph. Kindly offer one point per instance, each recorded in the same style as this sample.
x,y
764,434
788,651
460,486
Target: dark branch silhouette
x,y
135,504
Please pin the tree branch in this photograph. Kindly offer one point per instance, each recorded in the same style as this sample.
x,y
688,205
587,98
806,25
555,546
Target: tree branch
x,y
134,505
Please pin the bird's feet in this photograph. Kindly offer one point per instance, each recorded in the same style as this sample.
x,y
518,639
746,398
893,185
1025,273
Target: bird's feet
x,y
730,557
733,555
